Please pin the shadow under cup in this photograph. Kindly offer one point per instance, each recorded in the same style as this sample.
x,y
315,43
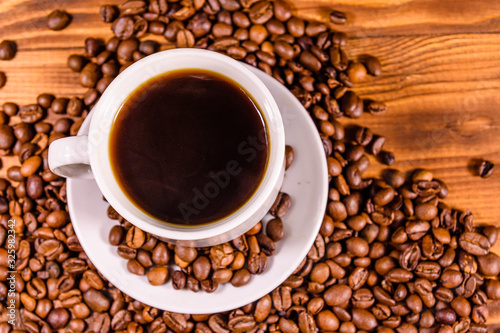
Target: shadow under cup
x,y
189,147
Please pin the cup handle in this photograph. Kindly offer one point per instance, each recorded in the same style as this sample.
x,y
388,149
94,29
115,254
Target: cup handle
x,y
69,157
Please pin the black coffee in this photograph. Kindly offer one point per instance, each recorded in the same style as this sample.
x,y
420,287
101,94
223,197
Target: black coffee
x,y
189,147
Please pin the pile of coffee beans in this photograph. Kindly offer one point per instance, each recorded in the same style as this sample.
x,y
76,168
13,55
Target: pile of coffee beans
x,y
391,256
201,268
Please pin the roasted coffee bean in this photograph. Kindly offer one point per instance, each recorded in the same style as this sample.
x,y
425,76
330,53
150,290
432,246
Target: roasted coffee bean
x,y
135,237
7,136
123,27
185,38
96,301
281,205
337,295
31,113
8,50
58,20
376,107
373,65
338,17
158,275
3,79
76,62
474,243
89,75
108,13
485,169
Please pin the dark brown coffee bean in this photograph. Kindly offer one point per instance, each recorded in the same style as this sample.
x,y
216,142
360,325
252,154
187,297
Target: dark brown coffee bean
x,y
7,137
126,252
59,105
428,269
337,295
10,108
89,75
93,47
116,235
96,300
446,316
489,265
338,17
241,277
451,278
58,318
410,257
485,169
201,268
31,113
338,58
373,65
387,157
260,12
296,27
108,13
8,50
77,62
75,107
3,79
135,267
281,205
275,230
58,20
123,27
474,243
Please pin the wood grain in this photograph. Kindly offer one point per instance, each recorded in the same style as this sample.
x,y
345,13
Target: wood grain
x,y
441,79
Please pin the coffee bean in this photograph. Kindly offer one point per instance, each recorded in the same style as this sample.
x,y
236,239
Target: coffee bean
x,y
387,157
3,79
58,20
58,318
7,137
281,205
8,50
76,62
108,13
373,65
357,72
375,107
485,169
240,278
135,237
275,229
158,275
89,75
185,38
489,265
338,17
474,243
123,27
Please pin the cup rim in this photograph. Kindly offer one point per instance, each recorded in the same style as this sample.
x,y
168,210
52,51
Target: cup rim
x,y
151,67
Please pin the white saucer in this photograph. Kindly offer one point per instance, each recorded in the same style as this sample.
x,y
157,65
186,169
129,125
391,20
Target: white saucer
x,y
306,181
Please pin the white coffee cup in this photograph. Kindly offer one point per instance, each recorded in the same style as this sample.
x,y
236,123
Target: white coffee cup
x,y
86,156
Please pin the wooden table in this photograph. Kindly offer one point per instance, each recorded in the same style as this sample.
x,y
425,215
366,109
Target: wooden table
x,y
441,80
